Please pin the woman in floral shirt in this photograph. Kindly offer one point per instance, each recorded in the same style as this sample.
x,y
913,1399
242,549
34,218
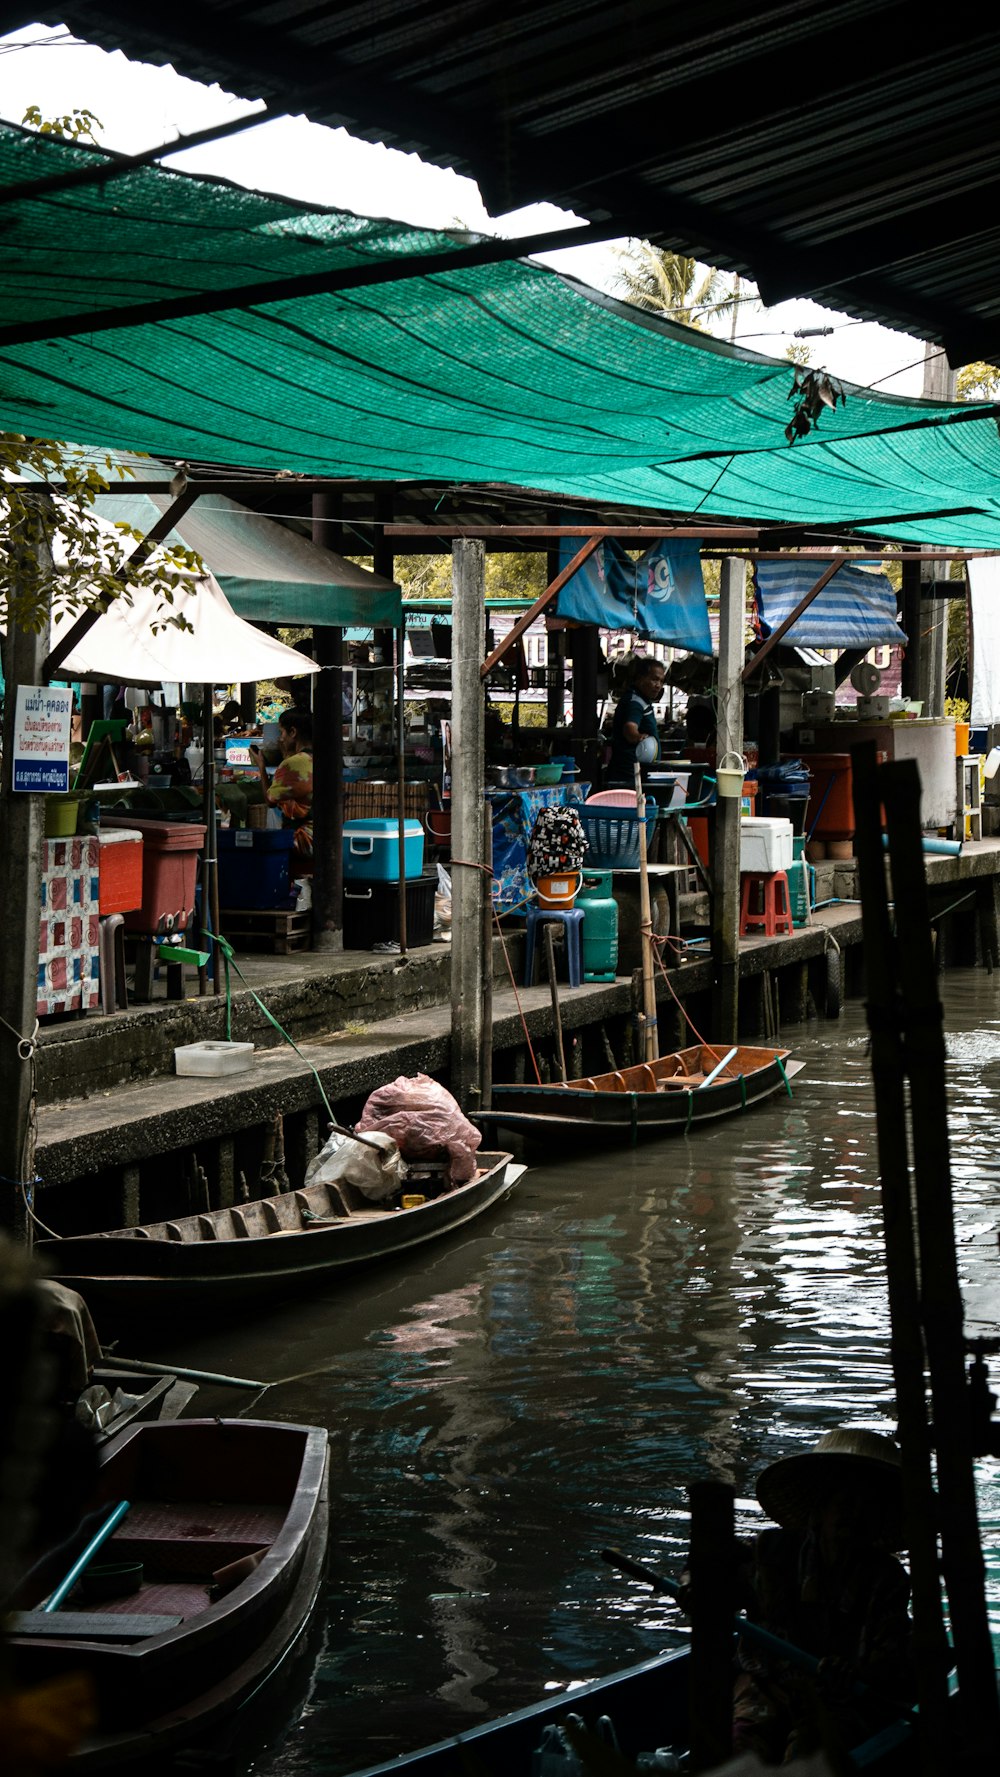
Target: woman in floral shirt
x,y
291,787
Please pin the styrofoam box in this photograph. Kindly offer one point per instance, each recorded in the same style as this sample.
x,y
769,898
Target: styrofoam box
x,y
765,844
213,1059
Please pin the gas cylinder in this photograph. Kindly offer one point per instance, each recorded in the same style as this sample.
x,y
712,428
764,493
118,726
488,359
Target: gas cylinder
x,y
600,925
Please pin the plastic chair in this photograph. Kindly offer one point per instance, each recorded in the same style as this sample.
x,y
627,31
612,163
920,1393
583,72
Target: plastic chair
x,y
765,904
572,924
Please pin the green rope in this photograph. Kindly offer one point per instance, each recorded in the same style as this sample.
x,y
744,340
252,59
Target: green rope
x,y
690,1111
788,1083
227,959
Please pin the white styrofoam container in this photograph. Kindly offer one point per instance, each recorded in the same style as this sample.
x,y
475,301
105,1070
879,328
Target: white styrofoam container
x,y
765,844
213,1059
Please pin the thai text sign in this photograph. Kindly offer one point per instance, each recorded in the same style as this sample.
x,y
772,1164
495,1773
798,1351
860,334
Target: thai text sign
x,y
41,738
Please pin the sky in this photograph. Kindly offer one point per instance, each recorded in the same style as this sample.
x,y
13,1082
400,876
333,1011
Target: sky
x,y
140,106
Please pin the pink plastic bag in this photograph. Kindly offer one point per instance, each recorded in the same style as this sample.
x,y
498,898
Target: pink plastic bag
x,y
424,1120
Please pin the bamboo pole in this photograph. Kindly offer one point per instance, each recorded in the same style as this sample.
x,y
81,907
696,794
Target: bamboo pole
x,y
548,938
941,1310
906,1343
651,1042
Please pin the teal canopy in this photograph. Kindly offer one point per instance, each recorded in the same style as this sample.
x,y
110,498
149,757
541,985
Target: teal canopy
x,y
502,373
266,571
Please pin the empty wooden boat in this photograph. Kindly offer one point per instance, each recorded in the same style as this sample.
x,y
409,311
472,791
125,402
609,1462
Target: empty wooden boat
x,y
689,1087
201,1592
269,1247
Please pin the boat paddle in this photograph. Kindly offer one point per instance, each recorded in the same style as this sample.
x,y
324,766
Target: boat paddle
x,y
754,1632
83,1560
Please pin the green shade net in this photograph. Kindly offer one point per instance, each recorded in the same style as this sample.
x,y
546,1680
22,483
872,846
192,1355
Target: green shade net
x,y
501,374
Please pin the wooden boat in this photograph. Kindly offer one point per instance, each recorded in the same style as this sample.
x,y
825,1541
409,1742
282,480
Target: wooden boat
x,y
174,1659
151,1397
270,1247
690,1086
647,1706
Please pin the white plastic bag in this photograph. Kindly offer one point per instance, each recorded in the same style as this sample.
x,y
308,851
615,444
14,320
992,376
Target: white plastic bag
x,y
375,1165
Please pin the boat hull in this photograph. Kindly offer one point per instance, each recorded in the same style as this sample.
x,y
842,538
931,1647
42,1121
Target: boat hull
x,y
167,1690
128,1275
623,1115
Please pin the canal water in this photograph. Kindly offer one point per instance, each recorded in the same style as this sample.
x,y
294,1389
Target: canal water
x,y
552,1382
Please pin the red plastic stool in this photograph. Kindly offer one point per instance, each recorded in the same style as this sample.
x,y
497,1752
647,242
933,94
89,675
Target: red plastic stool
x,y
764,904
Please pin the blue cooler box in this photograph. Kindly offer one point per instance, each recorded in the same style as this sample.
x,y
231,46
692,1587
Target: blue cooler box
x,y
371,850
253,867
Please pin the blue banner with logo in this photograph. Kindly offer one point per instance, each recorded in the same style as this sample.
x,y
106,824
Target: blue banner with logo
x,y
660,597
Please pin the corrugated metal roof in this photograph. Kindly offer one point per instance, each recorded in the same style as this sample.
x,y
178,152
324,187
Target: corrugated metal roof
x,y
839,149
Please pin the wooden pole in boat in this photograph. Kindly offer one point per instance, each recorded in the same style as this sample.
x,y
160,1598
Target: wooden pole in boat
x,y
399,644
941,1311
713,1605
650,1038
728,750
920,1506
548,938
468,880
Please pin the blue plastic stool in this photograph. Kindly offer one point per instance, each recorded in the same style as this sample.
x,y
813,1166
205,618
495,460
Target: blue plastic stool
x,y
572,922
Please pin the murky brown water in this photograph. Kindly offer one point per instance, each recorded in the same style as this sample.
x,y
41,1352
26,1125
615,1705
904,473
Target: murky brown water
x,y
553,1381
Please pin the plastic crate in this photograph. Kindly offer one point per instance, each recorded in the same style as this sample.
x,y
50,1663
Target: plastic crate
x,y
169,872
371,913
613,836
120,871
254,867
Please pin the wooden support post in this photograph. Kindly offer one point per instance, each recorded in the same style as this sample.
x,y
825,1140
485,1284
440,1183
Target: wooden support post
x,y
468,882
486,1081
225,1166
131,1200
712,1565
210,859
548,937
728,743
22,827
585,647
906,1343
941,1308
913,621
328,746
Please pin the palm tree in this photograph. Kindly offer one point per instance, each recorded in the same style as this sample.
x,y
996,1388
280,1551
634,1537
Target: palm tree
x,y
671,284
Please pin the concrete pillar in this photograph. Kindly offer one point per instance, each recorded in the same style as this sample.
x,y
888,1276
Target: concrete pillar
x,y
729,739
22,827
468,884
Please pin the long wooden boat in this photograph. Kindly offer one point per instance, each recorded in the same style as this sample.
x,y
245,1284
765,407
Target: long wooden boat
x,y
267,1248
647,1706
172,1660
689,1087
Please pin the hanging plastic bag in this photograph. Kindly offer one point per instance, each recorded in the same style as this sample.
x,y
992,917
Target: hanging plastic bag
x,y
375,1165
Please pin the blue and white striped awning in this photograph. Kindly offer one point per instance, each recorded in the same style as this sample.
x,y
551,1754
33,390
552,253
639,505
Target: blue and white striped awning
x,y
856,609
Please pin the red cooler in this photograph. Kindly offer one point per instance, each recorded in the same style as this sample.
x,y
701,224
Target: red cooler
x,y
170,851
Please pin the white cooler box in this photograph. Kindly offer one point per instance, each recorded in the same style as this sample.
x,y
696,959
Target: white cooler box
x,y
765,844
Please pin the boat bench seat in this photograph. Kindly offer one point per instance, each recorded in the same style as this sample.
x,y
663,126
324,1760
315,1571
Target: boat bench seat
x,y
86,1625
169,1537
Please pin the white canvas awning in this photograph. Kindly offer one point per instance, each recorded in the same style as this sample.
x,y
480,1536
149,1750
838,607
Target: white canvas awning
x,y
133,642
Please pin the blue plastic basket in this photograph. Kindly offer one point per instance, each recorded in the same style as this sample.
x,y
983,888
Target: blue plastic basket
x,y
613,836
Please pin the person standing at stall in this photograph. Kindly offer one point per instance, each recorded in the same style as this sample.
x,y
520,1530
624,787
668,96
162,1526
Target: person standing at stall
x,y
291,787
635,721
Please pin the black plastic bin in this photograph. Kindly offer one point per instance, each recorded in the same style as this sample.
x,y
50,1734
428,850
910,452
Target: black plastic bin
x,y
371,913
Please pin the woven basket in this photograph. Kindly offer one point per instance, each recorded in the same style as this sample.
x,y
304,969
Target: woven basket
x,y
613,836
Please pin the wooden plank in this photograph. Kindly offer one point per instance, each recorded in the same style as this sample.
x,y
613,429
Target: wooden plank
x,y
83,1625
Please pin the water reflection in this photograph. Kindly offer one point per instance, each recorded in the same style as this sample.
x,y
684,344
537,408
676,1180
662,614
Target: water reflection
x,y
630,1323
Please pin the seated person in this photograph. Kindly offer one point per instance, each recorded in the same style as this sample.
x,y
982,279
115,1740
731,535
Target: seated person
x,y
291,787
828,1582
